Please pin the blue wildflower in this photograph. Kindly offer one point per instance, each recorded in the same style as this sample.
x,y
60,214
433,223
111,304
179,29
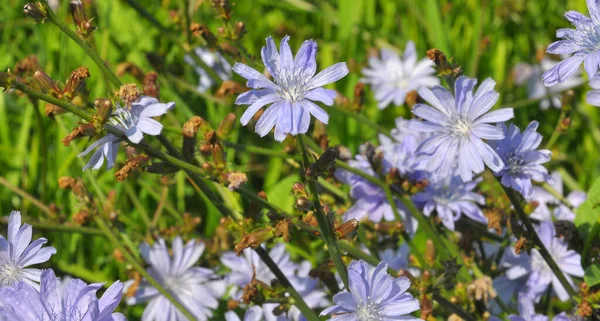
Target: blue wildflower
x,y
583,42
17,252
213,60
293,91
450,197
392,77
376,296
522,162
458,126
549,207
69,300
106,147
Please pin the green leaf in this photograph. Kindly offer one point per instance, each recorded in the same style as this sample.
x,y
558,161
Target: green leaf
x,y
592,275
588,214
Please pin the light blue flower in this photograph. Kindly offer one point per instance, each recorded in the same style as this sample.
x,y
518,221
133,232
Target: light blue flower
x,y
458,126
292,91
583,42
373,296
549,207
197,288
522,162
69,300
106,147
450,198
17,252
254,313
392,77
213,60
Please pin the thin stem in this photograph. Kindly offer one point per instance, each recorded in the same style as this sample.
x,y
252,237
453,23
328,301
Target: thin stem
x,y
558,196
85,46
307,312
27,196
514,199
53,100
362,119
56,227
322,219
139,268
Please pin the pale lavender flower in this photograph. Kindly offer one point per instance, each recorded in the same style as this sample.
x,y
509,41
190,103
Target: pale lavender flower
x,y
522,162
249,264
106,147
583,42
532,75
530,274
527,311
69,300
293,91
370,200
451,198
254,313
396,259
17,252
458,126
392,77
593,96
196,288
401,155
137,120
213,60
373,296
549,207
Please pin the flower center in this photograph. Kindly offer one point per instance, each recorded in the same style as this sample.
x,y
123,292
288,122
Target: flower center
x,y
293,84
460,126
590,41
368,311
124,118
10,273
515,162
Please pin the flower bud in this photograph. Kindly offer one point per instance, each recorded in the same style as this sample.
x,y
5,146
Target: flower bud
x,y
359,95
235,180
429,252
347,229
226,125
199,30
322,165
103,110
84,26
151,87
129,93
84,130
240,29
218,156
36,11
76,82
298,189
303,204
255,239
46,84
282,229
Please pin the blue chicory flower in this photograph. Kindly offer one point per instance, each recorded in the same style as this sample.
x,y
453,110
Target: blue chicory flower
x,y
254,313
450,197
458,126
197,288
17,252
213,60
69,300
106,147
292,92
393,77
522,162
549,207
583,42
373,296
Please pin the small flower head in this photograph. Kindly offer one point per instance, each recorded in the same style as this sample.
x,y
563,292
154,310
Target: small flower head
x,y
583,42
136,121
213,60
522,162
392,77
16,254
458,126
197,288
69,300
450,197
549,207
376,296
292,92
106,147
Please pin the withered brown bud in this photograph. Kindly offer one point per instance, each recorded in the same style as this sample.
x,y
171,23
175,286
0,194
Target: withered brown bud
x,y
52,110
426,307
232,304
190,130
199,30
65,182
359,95
230,49
322,165
235,180
585,309
347,229
218,156
481,290
303,204
129,93
206,149
131,68
430,252
151,86
36,11
255,239
103,110
132,163
81,217
440,60
299,189
84,26
226,125
118,255
190,127
240,29
79,131
521,245
46,84
76,82
229,88
210,137
411,98
282,229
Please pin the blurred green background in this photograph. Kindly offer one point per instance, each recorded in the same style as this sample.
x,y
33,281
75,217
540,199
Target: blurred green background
x,y
488,38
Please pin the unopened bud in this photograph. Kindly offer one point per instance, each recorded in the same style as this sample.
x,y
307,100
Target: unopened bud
x,y
303,204
282,229
199,30
36,11
347,229
151,87
324,162
226,125
440,60
103,110
359,95
299,189
218,156
255,239
84,130
240,29
429,252
45,83
230,87
76,82
84,26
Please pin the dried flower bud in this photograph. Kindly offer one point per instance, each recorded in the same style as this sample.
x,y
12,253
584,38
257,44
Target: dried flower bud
x,y
255,239
226,125
239,29
52,110
230,49
359,95
347,229
199,30
430,252
130,68
6,80
218,156
103,110
84,26
585,309
481,289
426,307
440,60
132,164
282,229
299,189
151,86
322,165
46,84
36,11
411,98
190,130
83,130
81,217
522,245
129,93
210,137
229,88
232,304
235,180
303,204
76,82
65,182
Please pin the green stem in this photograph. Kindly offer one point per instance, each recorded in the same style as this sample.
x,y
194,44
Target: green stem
x,y
139,268
27,196
307,312
322,219
362,119
54,227
53,100
558,196
514,199
85,46
455,309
